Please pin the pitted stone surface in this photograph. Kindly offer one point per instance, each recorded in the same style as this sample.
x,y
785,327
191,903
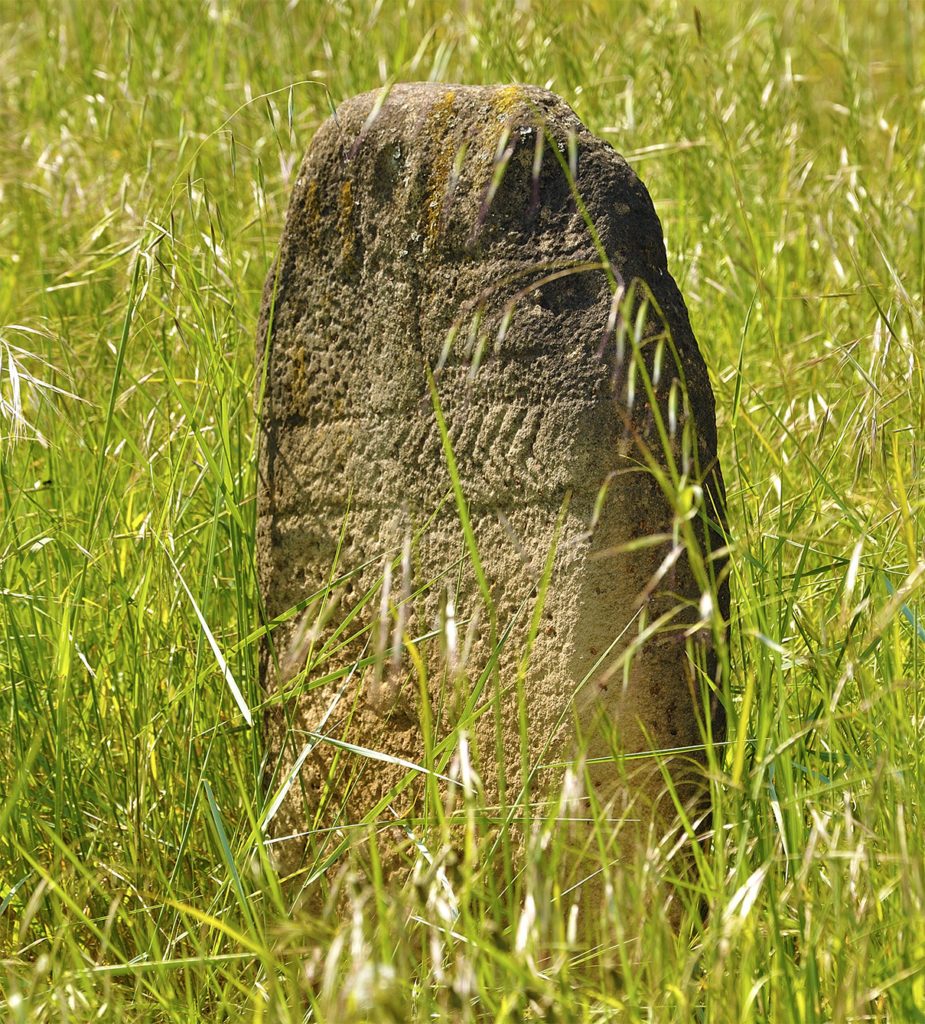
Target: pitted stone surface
x,y
436,226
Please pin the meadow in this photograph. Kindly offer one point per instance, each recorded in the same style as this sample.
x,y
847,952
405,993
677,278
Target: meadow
x,y
146,158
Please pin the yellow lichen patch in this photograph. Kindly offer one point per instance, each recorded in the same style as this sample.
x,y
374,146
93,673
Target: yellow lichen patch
x,y
312,214
505,102
347,229
447,156
506,98
439,126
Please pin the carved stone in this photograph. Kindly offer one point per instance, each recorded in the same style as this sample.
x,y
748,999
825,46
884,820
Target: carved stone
x,y
485,234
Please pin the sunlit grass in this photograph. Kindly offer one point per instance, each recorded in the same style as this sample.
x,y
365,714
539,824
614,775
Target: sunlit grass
x,y
145,163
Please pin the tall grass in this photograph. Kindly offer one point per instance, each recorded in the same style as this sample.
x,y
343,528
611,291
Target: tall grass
x,y
147,153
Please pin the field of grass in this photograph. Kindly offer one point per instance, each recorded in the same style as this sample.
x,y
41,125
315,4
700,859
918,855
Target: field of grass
x,y
146,155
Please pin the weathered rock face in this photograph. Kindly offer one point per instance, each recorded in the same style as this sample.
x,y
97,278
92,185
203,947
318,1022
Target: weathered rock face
x,y
466,230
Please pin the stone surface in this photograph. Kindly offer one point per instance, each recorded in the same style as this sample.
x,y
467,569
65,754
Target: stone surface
x,y
436,226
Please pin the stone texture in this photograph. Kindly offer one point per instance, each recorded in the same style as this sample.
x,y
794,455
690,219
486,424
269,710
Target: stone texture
x,y
436,226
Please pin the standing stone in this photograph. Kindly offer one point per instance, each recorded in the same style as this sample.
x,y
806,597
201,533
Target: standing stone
x,y
485,234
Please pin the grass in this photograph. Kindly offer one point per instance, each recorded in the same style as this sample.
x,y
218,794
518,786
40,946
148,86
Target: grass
x,y
147,154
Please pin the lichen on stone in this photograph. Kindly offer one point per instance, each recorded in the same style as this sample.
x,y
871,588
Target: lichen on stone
x,y
506,99
347,230
313,213
439,127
